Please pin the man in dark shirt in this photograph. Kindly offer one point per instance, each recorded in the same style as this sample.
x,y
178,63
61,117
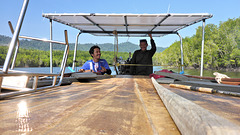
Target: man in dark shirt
x,y
143,57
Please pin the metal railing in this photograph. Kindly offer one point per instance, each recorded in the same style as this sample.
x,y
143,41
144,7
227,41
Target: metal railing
x,y
36,75
5,73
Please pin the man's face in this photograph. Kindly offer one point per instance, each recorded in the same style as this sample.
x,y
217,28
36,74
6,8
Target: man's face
x,y
143,46
96,53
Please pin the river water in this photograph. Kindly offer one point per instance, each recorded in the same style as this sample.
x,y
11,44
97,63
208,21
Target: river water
x,y
155,68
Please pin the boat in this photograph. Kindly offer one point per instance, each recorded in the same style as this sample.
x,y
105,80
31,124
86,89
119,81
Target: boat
x,y
196,81
120,104
230,81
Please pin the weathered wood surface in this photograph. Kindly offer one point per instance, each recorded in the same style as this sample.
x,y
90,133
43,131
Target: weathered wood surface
x,y
180,77
165,80
121,105
231,83
191,118
223,87
222,105
85,75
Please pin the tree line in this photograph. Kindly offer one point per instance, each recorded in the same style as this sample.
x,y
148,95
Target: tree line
x,y
40,58
39,45
221,49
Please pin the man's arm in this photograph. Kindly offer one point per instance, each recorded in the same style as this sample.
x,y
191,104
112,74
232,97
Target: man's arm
x,y
85,67
105,68
153,45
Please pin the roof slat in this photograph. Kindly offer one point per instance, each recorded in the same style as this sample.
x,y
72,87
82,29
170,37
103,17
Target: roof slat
x,y
95,24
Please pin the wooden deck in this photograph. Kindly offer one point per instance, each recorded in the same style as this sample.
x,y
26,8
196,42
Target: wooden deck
x,y
121,105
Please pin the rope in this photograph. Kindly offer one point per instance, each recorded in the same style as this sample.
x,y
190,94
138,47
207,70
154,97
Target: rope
x,y
139,65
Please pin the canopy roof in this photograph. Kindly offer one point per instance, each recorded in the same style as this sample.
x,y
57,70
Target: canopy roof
x,y
127,24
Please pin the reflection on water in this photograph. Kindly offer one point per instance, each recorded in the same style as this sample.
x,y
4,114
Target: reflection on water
x,y
23,119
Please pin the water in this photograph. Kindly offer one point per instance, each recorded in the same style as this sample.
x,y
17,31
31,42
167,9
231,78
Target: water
x,y
155,68
208,73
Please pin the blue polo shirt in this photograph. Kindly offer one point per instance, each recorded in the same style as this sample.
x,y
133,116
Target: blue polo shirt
x,y
95,66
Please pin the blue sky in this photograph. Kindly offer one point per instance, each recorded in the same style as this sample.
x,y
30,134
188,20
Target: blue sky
x,y
35,25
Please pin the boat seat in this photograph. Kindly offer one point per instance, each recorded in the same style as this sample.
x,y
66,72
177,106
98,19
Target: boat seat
x,y
17,80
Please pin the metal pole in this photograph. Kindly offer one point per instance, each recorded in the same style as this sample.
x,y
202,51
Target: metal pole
x,y
115,48
181,48
51,66
64,61
75,51
15,56
17,47
15,37
203,33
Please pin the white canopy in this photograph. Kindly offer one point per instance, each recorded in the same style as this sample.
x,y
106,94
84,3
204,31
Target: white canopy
x,y
127,24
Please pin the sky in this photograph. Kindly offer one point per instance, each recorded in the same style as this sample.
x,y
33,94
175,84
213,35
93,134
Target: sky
x,y
35,25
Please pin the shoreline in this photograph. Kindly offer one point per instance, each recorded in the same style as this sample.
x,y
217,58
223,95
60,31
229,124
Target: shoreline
x,y
220,69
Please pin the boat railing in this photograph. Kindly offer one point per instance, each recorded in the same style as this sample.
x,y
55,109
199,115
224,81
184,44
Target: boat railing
x,y
36,75
14,44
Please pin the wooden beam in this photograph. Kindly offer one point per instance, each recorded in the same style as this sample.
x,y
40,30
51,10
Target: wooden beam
x,y
191,118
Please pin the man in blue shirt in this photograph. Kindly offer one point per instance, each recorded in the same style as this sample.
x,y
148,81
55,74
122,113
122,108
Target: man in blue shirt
x,y
96,65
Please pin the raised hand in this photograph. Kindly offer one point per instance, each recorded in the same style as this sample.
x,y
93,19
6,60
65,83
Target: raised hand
x,y
150,35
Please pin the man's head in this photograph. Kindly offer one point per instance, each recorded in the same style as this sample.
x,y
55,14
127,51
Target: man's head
x,y
143,44
95,52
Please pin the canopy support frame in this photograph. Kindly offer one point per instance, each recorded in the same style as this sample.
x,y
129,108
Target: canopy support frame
x,y
115,48
96,24
126,24
161,22
75,51
50,45
202,53
181,48
130,32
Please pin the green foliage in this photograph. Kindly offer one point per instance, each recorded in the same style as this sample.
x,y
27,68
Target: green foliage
x,y
32,44
36,53
221,49
39,58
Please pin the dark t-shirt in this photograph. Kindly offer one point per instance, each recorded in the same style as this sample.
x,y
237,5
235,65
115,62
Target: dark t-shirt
x,y
144,58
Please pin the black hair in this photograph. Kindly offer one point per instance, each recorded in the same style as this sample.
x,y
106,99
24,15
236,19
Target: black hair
x,y
91,51
143,40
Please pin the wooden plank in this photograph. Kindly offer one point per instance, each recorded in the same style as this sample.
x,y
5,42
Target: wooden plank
x,y
86,75
105,106
223,87
231,79
231,83
222,105
180,77
156,110
201,77
202,89
165,80
191,118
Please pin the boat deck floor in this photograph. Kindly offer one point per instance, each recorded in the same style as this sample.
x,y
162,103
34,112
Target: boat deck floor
x,y
222,105
119,105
